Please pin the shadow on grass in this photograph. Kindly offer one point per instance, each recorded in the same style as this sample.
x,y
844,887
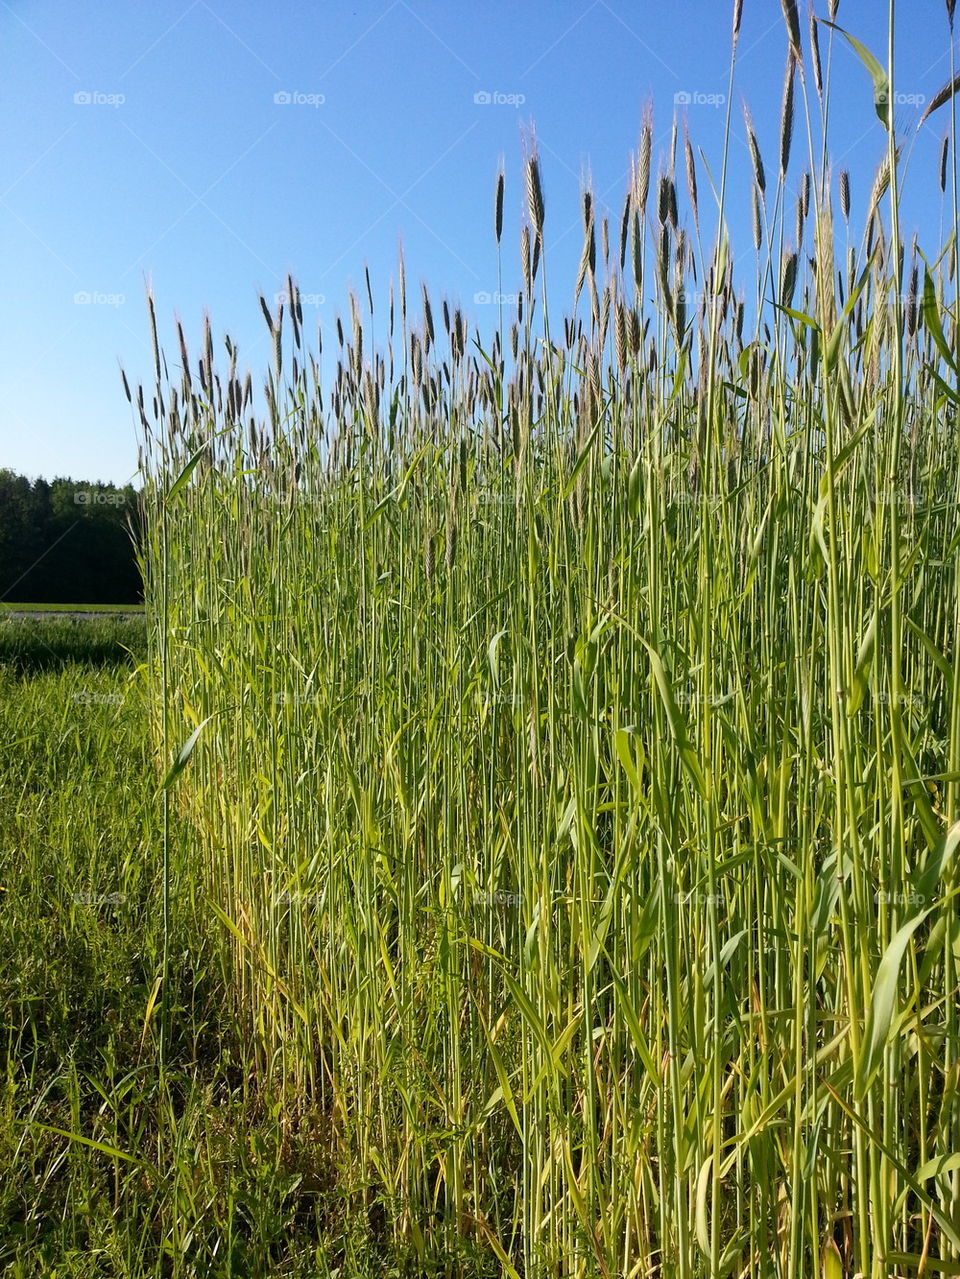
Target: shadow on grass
x,y
28,646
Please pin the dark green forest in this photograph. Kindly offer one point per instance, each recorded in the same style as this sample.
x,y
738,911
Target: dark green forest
x,y
66,541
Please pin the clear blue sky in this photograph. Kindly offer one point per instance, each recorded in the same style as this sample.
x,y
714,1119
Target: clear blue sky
x,y
183,168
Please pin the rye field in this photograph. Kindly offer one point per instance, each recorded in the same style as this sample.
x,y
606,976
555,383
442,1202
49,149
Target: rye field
x,y
534,797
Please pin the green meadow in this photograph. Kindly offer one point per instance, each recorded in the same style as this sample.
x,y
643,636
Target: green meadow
x,y
70,609
109,1167
521,839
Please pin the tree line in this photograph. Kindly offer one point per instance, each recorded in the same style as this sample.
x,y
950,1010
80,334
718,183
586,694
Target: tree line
x,y
66,541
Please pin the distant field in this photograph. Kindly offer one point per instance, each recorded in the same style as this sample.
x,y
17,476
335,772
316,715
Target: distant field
x,y
15,609
31,643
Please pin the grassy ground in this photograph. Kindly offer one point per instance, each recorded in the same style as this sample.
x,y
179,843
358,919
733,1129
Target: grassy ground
x,y
73,608
572,768
107,1166
28,644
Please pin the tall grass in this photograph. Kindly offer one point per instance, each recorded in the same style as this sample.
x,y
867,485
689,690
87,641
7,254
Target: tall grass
x,y
108,1168
581,727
